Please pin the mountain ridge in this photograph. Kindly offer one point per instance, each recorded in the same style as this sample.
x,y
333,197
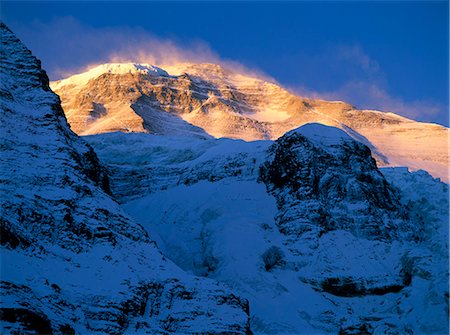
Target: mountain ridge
x,y
73,261
207,99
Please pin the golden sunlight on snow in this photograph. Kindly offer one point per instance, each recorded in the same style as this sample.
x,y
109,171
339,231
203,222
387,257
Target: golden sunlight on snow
x,y
208,99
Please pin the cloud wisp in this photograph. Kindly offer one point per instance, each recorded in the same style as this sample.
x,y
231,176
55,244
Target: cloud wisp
x,y
67,46
367,87
366,95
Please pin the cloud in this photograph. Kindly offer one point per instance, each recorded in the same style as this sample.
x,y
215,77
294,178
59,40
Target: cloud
x,y
356,55
366,87
66,46
366,95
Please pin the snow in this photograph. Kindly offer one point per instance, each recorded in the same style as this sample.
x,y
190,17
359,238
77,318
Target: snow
x,y
112,68
229,225
226,223
418,146
220,227
72,258
323,136
227,102
375,255
319,133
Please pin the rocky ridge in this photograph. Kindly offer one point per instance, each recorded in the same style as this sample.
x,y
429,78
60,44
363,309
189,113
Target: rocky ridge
x,y
73,262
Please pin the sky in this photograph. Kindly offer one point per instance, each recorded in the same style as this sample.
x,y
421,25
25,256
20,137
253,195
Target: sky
x,y
384,55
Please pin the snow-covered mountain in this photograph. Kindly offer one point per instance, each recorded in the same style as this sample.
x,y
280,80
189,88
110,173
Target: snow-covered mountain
x,y
207,99
73,262
180,232
306,228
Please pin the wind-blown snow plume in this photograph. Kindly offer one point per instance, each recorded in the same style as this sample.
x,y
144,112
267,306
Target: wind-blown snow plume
x,y
86,47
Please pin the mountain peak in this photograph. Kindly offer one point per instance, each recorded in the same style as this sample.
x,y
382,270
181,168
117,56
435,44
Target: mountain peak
x,y
321,134
226,102
112,68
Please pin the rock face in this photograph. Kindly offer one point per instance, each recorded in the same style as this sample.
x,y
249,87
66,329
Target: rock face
x,y
306,227
207,99
73,262
324,181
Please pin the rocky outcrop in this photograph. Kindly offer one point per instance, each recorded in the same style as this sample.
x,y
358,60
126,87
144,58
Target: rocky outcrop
x,y
73,262
323,181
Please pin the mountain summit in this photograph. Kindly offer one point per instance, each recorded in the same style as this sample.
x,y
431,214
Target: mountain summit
x,y
210,100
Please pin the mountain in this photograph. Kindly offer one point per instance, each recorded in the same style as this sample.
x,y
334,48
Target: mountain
x,y
166,229
73,262
207,99
307,228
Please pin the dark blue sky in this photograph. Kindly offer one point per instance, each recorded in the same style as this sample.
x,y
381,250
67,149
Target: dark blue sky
x,y
381,55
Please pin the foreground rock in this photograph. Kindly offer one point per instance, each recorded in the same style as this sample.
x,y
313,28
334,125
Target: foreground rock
x,y
72,261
